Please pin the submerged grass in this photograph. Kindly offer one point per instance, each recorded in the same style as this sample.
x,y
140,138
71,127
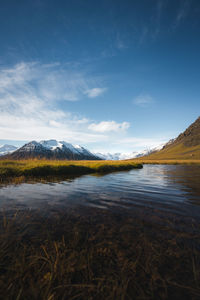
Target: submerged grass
x,y
96,255
42,168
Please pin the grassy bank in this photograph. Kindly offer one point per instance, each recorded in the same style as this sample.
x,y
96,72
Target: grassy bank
x,y
43,168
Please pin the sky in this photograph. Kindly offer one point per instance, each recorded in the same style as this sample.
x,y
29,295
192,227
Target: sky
x,y
110,75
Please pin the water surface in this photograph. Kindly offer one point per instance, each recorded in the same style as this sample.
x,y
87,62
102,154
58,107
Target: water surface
x,y
172,188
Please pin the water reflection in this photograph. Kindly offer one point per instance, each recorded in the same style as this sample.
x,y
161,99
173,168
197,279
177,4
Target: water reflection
x,y
188,179
165,187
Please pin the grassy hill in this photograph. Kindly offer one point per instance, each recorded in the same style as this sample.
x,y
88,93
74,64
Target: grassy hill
x,y
185,147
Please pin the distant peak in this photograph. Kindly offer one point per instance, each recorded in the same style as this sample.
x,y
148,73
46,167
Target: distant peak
x,y
33,143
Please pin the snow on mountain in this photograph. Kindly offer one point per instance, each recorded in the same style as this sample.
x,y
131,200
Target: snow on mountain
x,y
63,150
115,156
5,149
83,150
53,144
122,156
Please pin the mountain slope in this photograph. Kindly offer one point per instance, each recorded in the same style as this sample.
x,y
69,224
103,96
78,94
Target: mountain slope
x,y
51,149
185,146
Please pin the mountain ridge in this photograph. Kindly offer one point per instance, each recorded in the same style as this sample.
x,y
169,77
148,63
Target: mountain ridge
x,y
51,149
53,144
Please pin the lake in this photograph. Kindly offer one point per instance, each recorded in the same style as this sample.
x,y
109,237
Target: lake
x,y
123,235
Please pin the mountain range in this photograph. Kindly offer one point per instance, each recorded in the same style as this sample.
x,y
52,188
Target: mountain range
x,y
122,156
51,149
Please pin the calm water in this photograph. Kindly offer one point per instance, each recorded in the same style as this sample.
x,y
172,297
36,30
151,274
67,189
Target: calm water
x,y
162,188
136,233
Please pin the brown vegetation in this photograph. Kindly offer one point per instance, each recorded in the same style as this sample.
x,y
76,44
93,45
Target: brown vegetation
x,y
97,255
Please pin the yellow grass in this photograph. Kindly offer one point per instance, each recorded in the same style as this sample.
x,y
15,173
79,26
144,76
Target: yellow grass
x,y
42,168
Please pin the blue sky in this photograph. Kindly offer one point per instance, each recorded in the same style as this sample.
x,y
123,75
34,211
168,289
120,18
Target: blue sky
x,y
109,75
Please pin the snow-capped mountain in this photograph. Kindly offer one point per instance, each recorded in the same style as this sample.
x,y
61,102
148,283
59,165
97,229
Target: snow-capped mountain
x,y
122,156
149,151
5,149
52,149
115,156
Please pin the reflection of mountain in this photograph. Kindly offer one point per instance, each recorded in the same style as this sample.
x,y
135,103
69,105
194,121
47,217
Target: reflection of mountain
x,y
52,149
185,146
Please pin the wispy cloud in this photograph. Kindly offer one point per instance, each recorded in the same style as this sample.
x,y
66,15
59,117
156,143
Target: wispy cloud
x,y
107,126
154,27
182,12
158,17
150,30
143,100
143,35
120,42
95,92
50,82
30,104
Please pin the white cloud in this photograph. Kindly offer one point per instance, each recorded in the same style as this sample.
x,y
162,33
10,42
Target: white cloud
x,y
41,127
143,100
106,126
182,12
95,92
30,94
50,82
